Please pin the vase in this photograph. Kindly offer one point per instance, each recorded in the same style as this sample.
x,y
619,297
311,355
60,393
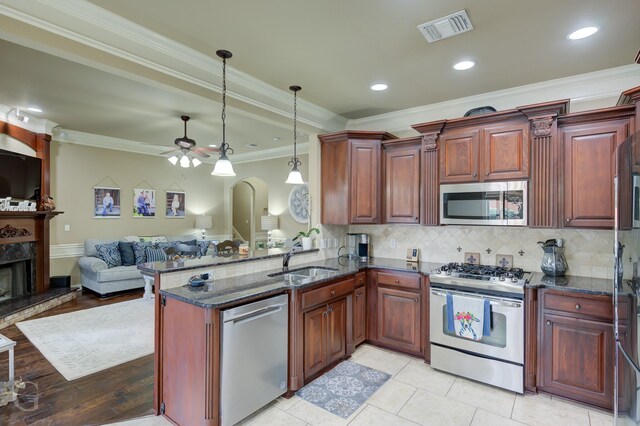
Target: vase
x,y
553,262
307,243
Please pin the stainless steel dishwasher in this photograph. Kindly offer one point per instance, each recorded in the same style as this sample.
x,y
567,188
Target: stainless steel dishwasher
x,y
254,357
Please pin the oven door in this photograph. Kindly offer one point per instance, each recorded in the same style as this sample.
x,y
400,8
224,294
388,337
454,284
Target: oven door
x,y
506,341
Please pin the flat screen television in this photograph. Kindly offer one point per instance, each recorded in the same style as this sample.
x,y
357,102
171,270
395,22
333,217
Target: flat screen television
x,y
19,176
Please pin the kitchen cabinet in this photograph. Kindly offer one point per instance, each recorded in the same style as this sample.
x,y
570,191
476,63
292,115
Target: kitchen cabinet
x,y
351,174
359,315
402,181
576,348
485,153
396,311
327,325
589,168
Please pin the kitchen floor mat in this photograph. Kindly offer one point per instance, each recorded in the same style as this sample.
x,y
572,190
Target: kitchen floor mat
x,y
344,388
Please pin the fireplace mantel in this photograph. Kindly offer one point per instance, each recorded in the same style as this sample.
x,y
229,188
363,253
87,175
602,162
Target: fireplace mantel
x,y
14,214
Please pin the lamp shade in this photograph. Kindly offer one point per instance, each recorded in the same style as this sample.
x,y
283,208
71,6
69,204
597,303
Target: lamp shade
x,y
204,222
295,178
223,167
268,223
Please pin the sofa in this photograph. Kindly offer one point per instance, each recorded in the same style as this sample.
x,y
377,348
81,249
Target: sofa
x,y
99,278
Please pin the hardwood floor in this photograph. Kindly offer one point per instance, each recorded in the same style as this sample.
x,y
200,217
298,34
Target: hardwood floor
x,y
116,394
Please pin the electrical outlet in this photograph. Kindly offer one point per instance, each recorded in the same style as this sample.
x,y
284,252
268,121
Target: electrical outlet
x,y
210,272
392,243
67,228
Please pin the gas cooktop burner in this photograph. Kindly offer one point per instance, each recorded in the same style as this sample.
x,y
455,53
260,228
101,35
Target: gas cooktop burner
x,y
480,275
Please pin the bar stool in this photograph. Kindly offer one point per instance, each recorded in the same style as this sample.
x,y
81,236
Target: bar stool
x,y
8,345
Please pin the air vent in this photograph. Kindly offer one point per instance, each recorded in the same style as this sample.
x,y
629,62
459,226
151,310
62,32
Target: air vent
x,y
447,26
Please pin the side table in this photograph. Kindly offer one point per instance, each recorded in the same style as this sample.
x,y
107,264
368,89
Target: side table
x,y
8,345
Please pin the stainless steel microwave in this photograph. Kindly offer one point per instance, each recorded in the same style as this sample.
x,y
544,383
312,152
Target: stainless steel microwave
x,y
490,203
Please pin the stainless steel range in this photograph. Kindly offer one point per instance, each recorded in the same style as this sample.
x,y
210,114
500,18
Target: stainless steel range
x,y
498,357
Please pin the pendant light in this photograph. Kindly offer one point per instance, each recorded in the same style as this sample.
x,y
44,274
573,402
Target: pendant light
x,y
295,177
223,166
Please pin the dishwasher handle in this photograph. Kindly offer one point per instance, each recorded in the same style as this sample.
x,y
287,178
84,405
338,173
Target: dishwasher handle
x,y
254,315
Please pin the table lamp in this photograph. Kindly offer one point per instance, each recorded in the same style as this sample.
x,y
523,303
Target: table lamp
x,y
204,222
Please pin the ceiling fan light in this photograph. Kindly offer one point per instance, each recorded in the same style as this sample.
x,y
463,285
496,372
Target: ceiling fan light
x,y
173,160
184,162
295,178
195,162
223,167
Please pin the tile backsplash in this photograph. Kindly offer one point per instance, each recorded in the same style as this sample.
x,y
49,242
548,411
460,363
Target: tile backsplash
x,y
589,253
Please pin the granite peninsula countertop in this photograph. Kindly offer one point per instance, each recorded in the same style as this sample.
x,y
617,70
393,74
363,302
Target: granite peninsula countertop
x,y
598,286
233,290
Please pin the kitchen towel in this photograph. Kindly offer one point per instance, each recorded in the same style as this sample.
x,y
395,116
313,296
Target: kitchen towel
x,y
468,317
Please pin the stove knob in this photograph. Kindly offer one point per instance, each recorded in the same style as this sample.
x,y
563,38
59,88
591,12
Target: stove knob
x,y
438,271
514,280
448,272
501,278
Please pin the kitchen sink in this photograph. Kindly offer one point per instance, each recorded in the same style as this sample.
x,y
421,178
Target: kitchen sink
x,y
303,273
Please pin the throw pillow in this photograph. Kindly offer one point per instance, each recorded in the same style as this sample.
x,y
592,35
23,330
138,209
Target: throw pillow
x,y
139,251
155,255
126,253
109,253
204,246
166,245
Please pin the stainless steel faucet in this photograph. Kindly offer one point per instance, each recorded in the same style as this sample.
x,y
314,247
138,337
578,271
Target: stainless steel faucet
x,y
286,258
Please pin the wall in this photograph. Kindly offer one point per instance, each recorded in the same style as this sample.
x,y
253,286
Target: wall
x,y
273,172
76,169
589,253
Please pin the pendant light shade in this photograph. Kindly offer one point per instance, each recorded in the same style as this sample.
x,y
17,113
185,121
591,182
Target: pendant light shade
x,y
295,177
173,160
223,166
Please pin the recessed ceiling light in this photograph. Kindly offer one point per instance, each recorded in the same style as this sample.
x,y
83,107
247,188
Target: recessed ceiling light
x,y
252,145
464,65
582,33
276,139
213,146
34,109
379,87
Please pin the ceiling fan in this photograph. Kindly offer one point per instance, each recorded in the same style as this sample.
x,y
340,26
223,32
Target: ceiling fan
x,y
187,147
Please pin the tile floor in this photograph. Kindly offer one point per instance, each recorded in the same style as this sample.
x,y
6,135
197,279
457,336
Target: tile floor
x,y
418,395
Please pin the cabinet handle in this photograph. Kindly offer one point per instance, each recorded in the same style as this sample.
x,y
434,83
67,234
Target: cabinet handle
x,y
487,174
333,292
415,299
325,313
375,218
548,322
330,310
358,295
577,307
475,175
397,281
568,219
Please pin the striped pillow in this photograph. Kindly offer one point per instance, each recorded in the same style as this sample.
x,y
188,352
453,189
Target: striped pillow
x,y
110,254
155,255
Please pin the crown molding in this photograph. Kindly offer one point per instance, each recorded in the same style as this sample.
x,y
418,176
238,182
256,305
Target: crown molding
x,y
106,142
36,125
603,85
93,26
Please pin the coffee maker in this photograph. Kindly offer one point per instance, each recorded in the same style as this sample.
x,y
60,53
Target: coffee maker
x,y
358,246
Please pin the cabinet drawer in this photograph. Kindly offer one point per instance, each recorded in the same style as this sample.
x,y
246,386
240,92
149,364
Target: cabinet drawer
x,y
361,279
596,306
326,293
410,281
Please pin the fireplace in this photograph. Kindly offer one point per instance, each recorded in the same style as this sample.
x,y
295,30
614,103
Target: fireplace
x,y
17,270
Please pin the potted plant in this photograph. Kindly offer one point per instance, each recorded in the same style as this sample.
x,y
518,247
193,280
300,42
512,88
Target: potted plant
x,y
305,237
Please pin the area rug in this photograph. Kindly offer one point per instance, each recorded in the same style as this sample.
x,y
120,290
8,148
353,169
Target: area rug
x,y
84,342
343,389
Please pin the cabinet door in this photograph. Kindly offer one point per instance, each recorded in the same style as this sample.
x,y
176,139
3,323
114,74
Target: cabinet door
x,y
506,152
399,319
459,156
402,185
337,330
577,359
359,315
589,168
315,340
364,202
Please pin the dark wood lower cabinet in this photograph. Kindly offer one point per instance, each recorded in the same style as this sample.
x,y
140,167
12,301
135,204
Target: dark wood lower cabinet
x,y
399,319
336,330
360,315
315,341
577,359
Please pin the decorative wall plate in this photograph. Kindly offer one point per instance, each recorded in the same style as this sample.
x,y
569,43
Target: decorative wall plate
x,y
299,203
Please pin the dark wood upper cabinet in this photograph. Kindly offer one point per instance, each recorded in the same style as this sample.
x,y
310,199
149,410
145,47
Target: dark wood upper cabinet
x,y
351,177
506,152
589,168
402,183
364,203
459,156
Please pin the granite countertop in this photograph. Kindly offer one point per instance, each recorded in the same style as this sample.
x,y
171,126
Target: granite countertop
x,y
233,290
601,286
205,261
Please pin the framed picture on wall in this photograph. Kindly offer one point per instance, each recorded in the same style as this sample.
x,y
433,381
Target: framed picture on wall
x,y
144,202
106,202
175,205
